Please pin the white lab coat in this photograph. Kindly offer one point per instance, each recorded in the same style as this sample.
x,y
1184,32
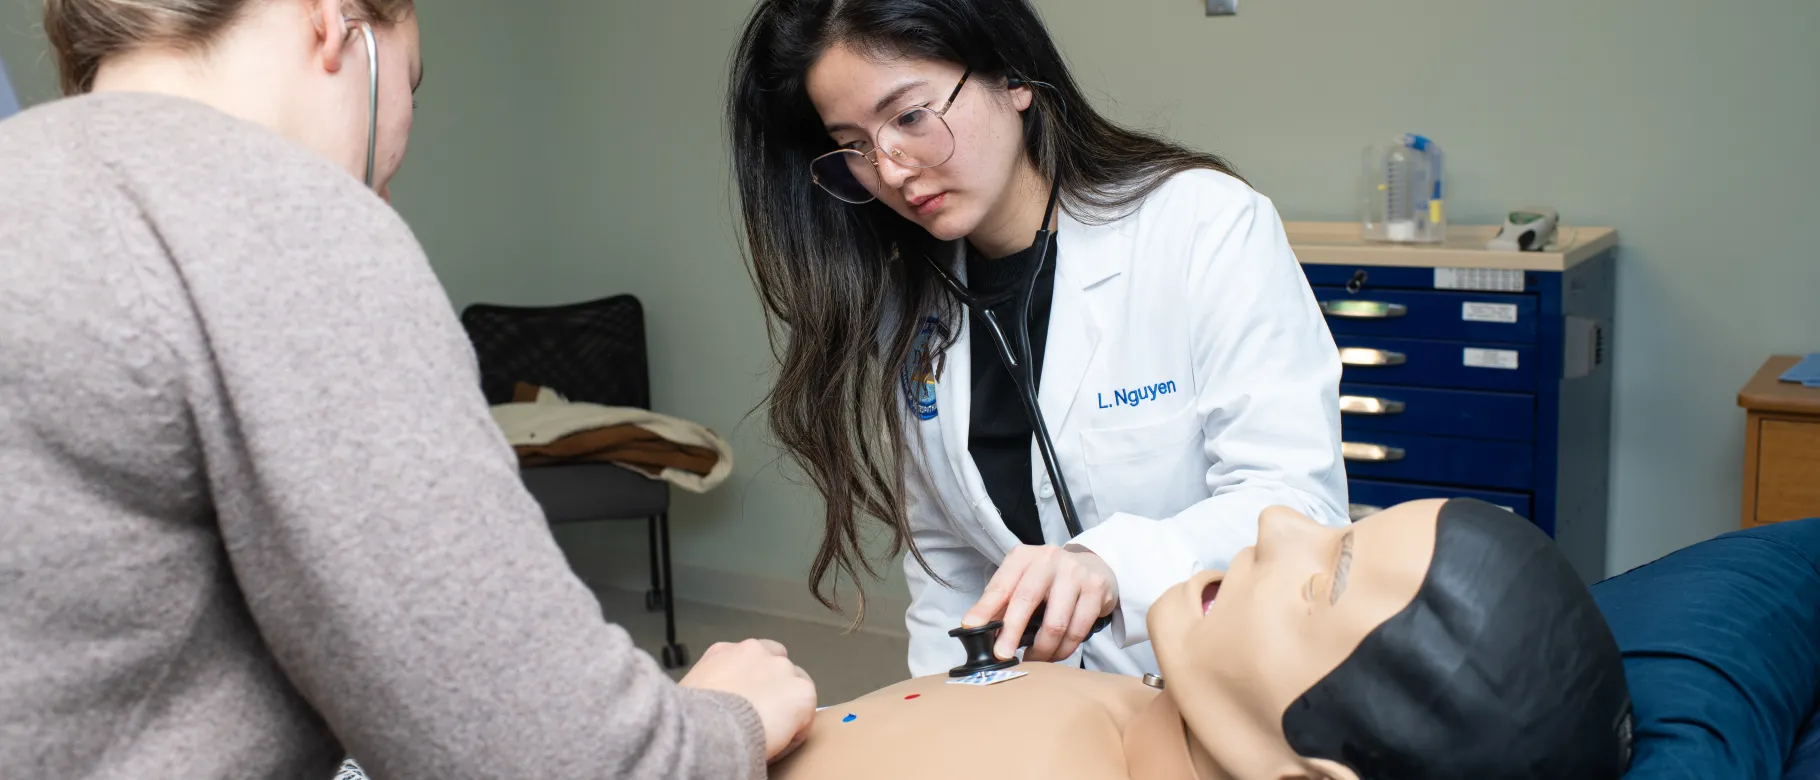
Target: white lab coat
x,y
1189,381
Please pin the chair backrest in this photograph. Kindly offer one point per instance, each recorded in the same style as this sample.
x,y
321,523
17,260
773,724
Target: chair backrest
x,y
591,352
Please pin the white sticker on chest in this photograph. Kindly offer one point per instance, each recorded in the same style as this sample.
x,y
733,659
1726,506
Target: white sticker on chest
x,y
988,678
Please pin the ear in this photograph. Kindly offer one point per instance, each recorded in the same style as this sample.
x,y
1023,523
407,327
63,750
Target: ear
x,y
1021,94
331,31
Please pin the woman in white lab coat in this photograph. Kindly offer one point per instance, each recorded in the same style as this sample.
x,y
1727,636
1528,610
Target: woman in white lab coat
x,y
1182,367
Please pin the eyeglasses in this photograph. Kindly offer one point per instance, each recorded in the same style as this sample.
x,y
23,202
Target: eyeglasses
x,y
918,137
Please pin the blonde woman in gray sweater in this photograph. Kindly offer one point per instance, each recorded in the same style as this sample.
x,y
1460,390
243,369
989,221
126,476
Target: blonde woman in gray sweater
x,y
254,514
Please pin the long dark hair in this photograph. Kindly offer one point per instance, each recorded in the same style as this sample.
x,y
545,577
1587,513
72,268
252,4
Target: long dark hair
x,y
844,287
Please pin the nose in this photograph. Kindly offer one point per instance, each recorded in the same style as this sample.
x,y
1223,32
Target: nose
x,y
1285,532
890,172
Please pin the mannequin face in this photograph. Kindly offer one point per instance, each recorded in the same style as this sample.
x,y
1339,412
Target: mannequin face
x,y
1238,647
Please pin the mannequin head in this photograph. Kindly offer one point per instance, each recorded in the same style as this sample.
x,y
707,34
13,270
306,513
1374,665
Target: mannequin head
x,y
1436,639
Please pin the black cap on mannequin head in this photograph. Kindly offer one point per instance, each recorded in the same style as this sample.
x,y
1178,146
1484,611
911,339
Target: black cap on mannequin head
x,y
1502,666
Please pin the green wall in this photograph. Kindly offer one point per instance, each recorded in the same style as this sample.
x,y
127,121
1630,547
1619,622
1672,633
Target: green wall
x,y
571,150
471,181
471,185
22,48
639,182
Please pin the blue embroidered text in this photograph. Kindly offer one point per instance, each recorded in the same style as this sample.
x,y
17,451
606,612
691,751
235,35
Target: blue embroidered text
x,y
1137,395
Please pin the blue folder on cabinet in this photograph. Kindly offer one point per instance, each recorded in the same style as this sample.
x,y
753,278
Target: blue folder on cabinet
x,y
1807,372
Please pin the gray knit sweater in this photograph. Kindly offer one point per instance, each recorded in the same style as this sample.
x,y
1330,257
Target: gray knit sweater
x,y
253,510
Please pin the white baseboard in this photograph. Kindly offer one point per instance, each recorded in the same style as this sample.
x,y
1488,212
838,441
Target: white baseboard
x,y
629,569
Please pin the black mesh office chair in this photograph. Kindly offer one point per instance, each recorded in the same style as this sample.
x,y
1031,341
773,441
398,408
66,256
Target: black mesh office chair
x,y
590,352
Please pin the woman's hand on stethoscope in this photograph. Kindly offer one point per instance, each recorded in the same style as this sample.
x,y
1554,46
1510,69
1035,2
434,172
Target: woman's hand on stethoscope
x,y
1073,585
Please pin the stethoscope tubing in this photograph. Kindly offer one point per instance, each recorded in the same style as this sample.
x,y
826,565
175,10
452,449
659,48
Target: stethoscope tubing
x,y
372,96
1019,362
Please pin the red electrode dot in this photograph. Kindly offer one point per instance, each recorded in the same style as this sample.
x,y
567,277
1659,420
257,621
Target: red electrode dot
x,y
912,696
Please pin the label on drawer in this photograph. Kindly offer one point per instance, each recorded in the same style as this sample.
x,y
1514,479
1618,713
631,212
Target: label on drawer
x,y
1486,279
1488,312
1491,358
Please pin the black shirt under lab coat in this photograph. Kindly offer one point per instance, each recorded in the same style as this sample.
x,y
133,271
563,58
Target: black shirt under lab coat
x,y
999,434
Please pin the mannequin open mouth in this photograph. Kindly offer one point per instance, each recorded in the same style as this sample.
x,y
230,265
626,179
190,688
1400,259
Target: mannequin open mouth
x,y
1208,594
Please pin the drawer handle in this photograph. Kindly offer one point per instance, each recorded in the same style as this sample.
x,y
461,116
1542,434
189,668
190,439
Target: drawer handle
x,y
1364,310
1364,404
1360,356
1376,453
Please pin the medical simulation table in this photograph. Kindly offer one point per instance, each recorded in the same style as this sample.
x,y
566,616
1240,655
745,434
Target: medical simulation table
x,y
1472,372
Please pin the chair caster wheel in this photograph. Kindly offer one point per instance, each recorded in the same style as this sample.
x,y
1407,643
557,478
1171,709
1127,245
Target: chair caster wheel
x,y
654,600
675,656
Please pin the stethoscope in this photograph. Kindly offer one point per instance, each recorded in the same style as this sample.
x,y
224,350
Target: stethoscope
x,y
1023,374
1018,361
372,94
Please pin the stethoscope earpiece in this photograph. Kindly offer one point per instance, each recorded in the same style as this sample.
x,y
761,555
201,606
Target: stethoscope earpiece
x,y
372,94
1014,82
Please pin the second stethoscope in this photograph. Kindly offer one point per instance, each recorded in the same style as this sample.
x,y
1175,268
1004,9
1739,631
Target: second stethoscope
x,y
372,94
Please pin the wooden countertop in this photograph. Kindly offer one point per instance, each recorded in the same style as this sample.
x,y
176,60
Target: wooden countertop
x,y
1765,393
1338,243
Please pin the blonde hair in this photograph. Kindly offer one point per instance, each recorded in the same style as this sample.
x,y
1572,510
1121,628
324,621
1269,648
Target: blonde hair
x,y
85,32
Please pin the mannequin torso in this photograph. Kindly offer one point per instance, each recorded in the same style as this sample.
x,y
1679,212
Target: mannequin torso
x,y
1058,721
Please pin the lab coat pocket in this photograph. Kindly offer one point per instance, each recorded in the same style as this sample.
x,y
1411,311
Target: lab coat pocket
x,y
1152,470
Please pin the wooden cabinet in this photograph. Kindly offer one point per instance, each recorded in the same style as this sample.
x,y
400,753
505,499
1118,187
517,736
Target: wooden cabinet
x,y
1781,447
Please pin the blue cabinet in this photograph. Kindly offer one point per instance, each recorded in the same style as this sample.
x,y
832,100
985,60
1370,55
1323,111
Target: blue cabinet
x,y
1474,373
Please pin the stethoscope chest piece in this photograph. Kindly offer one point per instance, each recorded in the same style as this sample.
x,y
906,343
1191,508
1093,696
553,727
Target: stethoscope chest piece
x,y
978,643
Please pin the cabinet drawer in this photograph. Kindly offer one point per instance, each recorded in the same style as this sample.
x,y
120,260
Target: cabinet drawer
x,y
1465,462
1370,495
1463,365
1464,413
1468,316
1788,470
